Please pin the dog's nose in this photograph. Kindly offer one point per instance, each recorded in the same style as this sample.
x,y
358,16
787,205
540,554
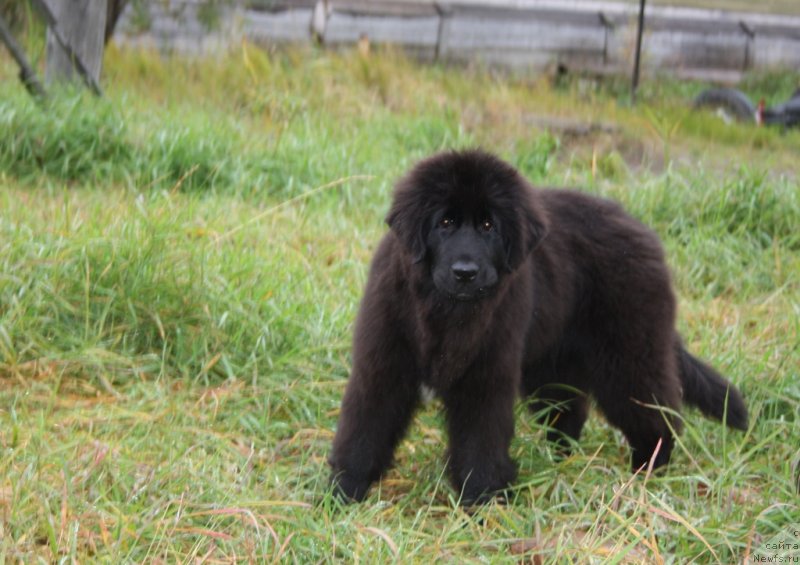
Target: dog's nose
x,y
465,271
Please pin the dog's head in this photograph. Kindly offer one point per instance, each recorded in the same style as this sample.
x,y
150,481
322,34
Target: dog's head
x,y
468,217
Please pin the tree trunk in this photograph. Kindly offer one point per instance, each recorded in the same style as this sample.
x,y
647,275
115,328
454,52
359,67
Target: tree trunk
x,y
82,25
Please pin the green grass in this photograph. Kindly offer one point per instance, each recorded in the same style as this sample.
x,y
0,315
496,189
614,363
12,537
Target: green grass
x,y
181,263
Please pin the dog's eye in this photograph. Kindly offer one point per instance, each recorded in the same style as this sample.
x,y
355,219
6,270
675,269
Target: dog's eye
x,y
487,225
447,222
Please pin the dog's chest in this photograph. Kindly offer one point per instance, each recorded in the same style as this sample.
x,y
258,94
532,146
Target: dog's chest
x,y
448,344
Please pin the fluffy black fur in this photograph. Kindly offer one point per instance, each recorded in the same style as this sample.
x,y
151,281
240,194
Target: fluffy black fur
x,y
485,288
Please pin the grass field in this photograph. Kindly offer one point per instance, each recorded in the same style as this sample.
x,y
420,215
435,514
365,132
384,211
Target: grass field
x,y
180,266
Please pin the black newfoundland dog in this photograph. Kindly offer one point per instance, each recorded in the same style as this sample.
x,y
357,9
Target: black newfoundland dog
x,y
485,288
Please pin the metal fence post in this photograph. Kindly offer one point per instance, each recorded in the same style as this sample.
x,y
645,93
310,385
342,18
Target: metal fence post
x,y
607,26
440,31
637,60
750,35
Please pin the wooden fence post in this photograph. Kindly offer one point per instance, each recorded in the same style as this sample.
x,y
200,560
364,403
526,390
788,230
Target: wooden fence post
x,y
81,23
319,20
441,29
608,25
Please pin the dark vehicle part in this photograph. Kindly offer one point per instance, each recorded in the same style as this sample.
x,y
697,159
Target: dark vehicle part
x,y
729,103
786,114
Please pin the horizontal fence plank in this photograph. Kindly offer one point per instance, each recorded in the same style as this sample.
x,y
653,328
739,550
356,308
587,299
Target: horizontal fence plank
x,y
419,31
287,25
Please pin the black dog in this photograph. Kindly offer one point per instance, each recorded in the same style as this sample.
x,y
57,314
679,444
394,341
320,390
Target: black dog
x,y
486,287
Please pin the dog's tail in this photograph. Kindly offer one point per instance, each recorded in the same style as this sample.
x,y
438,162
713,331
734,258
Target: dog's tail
x,y
709,391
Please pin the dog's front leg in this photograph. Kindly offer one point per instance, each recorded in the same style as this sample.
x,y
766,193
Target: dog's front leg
x,y
480,420
378,403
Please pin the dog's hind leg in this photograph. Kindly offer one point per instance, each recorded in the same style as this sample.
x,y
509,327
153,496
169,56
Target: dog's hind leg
x,y
635,376
551,384
564,410
641,397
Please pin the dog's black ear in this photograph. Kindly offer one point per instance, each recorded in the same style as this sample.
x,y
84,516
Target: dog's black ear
x,y
409,228
528,231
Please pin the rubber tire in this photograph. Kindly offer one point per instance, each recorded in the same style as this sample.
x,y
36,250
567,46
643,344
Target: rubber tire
x,y
734,102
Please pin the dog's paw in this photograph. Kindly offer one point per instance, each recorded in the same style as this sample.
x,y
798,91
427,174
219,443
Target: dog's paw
x,y
659,455
482,488
349,488
474,497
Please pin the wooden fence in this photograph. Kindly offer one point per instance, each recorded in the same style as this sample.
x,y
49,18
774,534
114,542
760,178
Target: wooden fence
x,y
589,36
